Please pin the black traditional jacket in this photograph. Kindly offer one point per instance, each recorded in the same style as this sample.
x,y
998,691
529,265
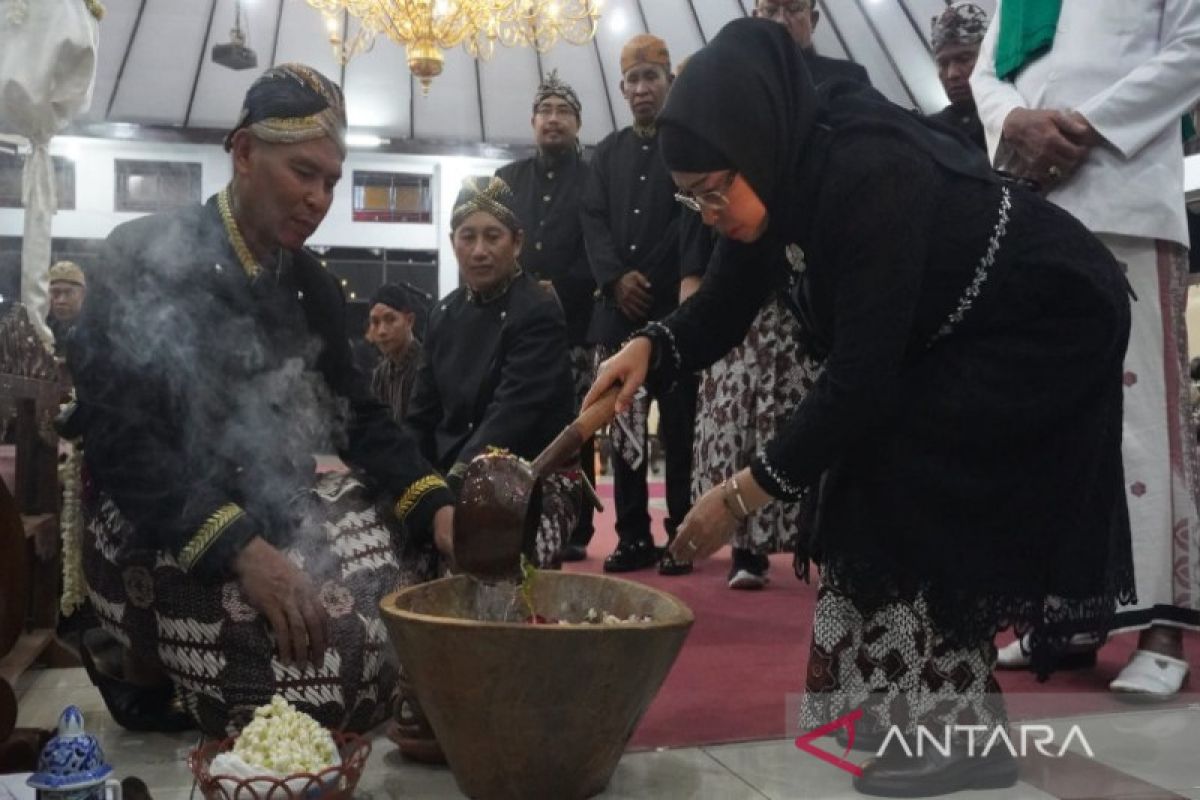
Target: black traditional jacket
x,y
630,222
546,193
495,374
203,393
824,68
965,122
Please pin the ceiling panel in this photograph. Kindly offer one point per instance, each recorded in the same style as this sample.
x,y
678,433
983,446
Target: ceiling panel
x,y
910,51
119,20
508,82
220,90
162,63
889,37
379,90
303,38
864,47
451,108
828,39
715,13
674,21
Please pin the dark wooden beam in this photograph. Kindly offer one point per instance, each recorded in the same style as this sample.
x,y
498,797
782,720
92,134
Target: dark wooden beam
x,y
412,106
838,33
479,99
278,26
696,19
212,12
887,53
642,14
612,113
912,20
345,36
137,23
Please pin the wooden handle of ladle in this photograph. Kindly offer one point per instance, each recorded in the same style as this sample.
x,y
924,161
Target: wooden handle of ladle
x,y
567,443
598,414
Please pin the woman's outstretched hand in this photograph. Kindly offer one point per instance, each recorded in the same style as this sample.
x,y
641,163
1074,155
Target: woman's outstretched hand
x,y
707,528
628,368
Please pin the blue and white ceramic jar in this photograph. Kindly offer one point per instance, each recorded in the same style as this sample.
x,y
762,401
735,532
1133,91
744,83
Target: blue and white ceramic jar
x,y
72,765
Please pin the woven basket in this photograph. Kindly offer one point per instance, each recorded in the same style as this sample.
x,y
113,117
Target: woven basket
x,y
333,783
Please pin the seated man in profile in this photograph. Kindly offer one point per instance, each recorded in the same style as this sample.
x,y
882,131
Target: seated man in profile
x,y
211,364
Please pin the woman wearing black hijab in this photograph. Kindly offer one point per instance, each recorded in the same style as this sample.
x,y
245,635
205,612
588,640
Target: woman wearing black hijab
x,y
969,412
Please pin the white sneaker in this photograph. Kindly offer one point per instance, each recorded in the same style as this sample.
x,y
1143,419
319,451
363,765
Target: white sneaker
x,y
1013,654
1151,675
1080,652
745,579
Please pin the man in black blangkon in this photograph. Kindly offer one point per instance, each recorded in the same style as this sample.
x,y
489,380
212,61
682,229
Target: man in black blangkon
x,y
211,363
545,196
631,231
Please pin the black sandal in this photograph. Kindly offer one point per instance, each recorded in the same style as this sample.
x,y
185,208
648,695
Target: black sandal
x,y
670,565
135,707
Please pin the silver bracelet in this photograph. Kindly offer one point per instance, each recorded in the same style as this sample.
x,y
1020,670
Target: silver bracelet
x,y
737,495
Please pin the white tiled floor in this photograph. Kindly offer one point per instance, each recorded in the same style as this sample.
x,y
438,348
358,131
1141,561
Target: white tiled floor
x,y
1158,746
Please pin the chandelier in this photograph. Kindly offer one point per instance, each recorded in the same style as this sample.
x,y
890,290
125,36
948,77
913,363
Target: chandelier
x,y
427,27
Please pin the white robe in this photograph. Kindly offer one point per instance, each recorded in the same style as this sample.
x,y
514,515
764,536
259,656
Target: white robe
x,y
1132,68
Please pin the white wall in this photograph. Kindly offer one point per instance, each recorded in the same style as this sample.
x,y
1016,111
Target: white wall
x,y
93,216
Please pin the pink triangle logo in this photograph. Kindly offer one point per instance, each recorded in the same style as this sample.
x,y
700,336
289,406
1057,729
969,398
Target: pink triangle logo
x,y
805,742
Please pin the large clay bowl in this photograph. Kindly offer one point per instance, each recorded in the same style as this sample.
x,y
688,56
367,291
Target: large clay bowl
x,y
534,711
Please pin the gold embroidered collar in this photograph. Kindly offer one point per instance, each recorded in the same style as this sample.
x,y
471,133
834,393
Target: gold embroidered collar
x,y
484,298
240,248
645,131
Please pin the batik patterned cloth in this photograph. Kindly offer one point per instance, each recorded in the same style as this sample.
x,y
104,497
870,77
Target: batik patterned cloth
x,y
1159,444
894,665
743,399
628,430
220,652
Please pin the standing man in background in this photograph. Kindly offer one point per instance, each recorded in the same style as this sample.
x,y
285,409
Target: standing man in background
x,y
631,231
957,34
800,17
546,190
1086,97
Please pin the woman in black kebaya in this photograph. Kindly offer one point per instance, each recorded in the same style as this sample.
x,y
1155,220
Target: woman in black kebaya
x,y
967,421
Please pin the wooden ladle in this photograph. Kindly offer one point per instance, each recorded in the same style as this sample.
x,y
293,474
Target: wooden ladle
x,y
500,505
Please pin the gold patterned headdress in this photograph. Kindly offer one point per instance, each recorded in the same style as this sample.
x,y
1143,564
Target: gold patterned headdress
x,y
555,86
68,272
485,194
293,103
645,48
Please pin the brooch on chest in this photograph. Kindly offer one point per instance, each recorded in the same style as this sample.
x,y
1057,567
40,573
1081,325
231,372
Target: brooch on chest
x,y
795,257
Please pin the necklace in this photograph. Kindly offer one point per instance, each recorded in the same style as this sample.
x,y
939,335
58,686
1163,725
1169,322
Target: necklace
x,y
240,248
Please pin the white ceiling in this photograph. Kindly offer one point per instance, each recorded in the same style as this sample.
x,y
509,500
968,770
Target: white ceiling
x,y
155,67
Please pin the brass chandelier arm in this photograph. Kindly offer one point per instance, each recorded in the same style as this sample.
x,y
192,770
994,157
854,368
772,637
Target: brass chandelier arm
x,y
427,27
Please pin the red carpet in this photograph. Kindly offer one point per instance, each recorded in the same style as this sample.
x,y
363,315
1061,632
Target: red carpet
x,y
748,651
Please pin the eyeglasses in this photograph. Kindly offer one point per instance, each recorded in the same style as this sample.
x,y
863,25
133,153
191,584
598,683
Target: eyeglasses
x,y
713,199
773,10
551,110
